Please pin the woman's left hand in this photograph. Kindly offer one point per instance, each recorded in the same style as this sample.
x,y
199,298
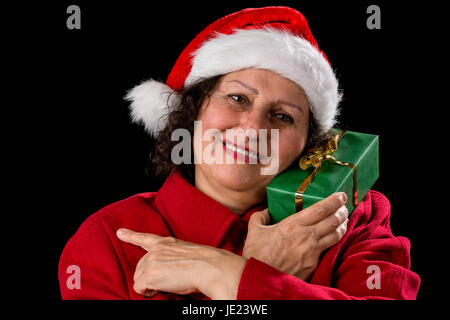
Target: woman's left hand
x,y
182,267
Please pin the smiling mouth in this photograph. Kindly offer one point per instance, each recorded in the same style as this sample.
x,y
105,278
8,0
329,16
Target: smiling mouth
x,y
242,154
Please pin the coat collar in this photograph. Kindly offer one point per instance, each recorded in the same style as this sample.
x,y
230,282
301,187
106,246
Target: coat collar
x,y
193,216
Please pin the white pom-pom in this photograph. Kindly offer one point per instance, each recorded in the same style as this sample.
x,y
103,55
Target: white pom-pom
x,y
151,102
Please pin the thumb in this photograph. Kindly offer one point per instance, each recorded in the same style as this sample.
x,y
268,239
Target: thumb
x,y
260,218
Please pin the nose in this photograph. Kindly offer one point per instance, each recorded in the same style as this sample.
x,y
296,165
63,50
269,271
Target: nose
x,y
255,119
252,121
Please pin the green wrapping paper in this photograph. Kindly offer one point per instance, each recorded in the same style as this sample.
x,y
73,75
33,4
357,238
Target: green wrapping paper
x,y
359,149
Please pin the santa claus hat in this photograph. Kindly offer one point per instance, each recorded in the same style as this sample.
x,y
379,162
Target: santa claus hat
x,y
273,38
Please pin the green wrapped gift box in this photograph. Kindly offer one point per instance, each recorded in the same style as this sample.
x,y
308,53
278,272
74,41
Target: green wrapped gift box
x,y
357,154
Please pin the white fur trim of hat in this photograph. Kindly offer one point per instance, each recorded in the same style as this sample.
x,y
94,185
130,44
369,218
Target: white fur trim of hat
x,y
280,51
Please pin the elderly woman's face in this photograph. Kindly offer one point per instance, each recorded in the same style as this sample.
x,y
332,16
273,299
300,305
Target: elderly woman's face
x,y
253,99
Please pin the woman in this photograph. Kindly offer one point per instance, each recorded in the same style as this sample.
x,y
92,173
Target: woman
x,y
206,233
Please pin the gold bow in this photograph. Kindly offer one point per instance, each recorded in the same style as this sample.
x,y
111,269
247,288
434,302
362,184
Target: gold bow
x,y
314,158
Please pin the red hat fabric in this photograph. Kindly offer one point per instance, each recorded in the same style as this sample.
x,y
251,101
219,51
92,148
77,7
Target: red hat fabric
x,y
273,38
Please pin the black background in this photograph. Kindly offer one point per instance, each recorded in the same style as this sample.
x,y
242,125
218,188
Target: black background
x,y
87,154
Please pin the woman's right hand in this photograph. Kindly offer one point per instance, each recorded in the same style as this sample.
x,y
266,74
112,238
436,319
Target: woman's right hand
x,y
294,244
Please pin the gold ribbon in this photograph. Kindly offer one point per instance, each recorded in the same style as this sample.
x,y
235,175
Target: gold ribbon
x,y
314,158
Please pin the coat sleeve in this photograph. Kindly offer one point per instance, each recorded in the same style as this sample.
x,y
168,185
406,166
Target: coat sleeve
x,y
373,264
89,267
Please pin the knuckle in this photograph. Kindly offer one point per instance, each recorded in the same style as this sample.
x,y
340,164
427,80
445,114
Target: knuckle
x,y
310,263
139,285
314,235
286,229
315,240
317,211
252,219
310,259
300,220
142,286
290,230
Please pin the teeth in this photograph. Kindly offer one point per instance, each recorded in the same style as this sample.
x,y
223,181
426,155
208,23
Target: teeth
x,y
252,155
241,151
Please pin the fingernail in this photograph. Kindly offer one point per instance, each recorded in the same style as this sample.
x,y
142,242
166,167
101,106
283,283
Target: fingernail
x,y
120,233
344,210
343,197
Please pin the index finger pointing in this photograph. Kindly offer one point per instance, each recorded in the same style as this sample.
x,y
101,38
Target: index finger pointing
x,y
143,240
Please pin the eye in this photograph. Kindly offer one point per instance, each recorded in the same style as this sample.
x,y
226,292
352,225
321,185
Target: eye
x,y
237,98
284,117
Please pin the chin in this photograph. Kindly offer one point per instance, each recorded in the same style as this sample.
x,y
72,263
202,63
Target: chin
x,y
239,177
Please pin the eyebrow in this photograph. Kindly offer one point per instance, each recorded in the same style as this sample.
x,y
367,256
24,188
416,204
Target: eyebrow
x,y
246,86
279,101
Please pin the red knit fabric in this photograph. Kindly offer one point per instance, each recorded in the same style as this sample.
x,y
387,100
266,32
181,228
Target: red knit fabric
x,y
178,209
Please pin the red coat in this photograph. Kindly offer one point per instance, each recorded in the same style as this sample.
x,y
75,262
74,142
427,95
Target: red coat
x,y
107,264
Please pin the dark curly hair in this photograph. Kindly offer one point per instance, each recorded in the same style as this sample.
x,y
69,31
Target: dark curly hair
x,y
183,115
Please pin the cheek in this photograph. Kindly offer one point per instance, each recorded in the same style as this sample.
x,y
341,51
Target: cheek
x,y
291,146
217,116
214,116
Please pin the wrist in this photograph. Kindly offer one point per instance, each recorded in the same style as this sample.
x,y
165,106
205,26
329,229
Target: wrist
x,y
223,277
